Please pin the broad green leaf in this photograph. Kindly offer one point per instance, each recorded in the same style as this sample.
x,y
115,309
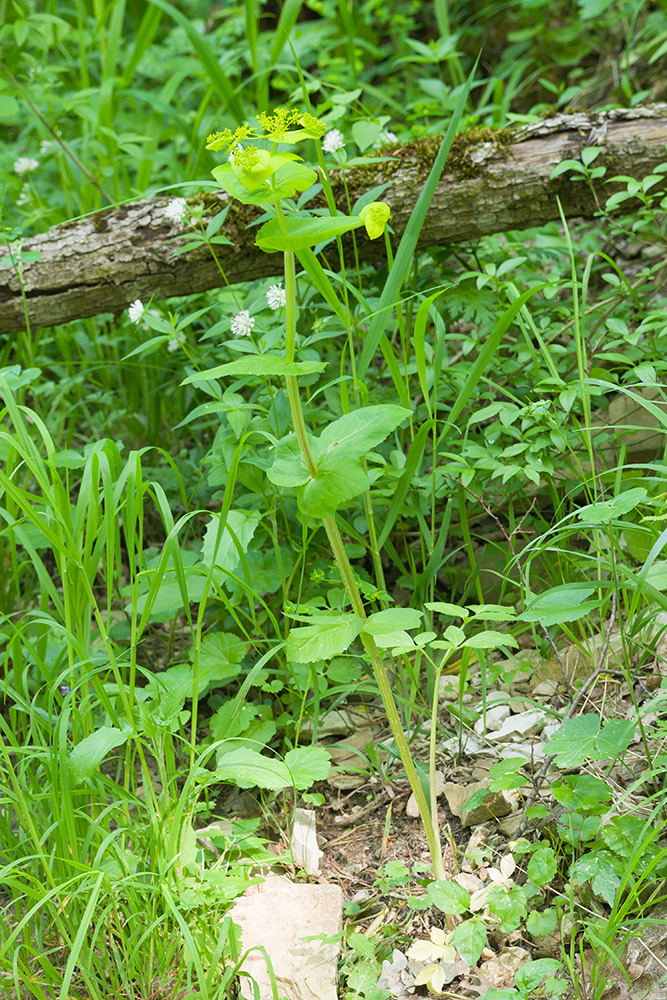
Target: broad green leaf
x,y
286,181
220,654
390,640
375,217
616,507
302,233
615,738
249,769
261,365
339,479
469,939
221,553
358,432
541,923
582,792
490,640
542,866
307,765
529,976
448,896
392,619
575,741
560,604
87,755
509,906
601,869
322,641
337,454
289,467
443,608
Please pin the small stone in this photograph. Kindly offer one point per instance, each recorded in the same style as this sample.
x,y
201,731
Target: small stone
x,y
412,809
280,915
495,804
495,717
521,724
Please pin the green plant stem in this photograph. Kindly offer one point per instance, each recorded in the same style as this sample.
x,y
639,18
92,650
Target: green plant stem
x,y
347,576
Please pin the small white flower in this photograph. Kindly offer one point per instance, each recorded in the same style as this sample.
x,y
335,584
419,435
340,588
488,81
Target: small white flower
x,y
276,297
25,165
45,145
24,195
333,141
176,210
136,311
384,138
242,324
177,342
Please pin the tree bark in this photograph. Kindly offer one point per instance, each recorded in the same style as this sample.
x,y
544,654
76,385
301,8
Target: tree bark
x,y
101,263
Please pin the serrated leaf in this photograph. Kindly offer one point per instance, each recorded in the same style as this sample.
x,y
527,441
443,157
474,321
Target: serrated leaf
x,y
490,640
616,507
599,869
87,755
559,605
542,866
307,765
262,365
322,641
615,738
582,792
575,741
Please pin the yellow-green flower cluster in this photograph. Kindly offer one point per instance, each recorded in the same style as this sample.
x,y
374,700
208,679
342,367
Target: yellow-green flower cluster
x,y
282,126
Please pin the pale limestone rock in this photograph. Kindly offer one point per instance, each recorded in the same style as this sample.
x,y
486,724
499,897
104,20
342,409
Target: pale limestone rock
x,y
521,724
305,850
495,804
412,809
278,915
495,717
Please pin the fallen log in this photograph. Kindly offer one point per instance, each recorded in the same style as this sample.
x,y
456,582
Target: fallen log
x,y
493,182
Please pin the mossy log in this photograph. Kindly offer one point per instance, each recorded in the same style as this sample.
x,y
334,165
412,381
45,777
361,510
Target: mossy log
x,y
493,182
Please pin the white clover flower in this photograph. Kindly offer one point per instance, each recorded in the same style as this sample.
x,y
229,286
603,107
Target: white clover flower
x,y
276,297
333,141
136,311
45,145
176,210
242,324
177,342
25,165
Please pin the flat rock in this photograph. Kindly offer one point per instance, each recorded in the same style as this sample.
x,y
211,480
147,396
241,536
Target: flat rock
x,y
494,719
278,915
495,804
519,725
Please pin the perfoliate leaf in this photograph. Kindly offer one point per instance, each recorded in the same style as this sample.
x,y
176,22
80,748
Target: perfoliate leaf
x,y
300,233
375,217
